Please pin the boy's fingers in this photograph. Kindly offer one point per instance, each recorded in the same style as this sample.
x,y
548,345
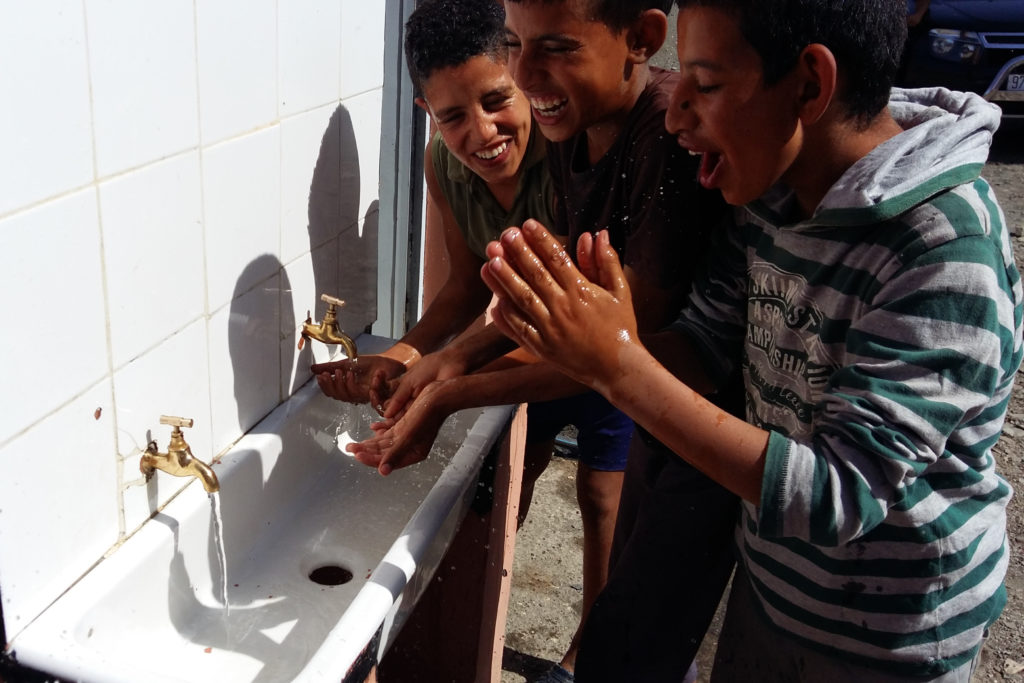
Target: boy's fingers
x,y
550,254
609,269
585,256
401,394
530,262
331,366
512,289
494,249
513,325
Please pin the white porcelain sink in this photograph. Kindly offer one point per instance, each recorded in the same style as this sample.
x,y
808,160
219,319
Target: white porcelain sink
x,y
292,502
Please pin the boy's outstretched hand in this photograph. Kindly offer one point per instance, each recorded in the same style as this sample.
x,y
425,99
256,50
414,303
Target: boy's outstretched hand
x,y
405,439
581,322
370,379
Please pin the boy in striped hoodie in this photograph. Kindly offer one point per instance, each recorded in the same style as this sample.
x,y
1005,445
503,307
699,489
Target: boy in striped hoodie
x,y
869,294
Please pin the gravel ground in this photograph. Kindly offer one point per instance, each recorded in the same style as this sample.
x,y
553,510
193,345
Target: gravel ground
x,y
547,583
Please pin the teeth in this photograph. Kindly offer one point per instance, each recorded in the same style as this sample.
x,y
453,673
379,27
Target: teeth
x,y
493,152
547,105
693,153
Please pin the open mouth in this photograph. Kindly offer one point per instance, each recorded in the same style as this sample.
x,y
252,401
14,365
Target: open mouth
x,y
548,107
492,153
710,165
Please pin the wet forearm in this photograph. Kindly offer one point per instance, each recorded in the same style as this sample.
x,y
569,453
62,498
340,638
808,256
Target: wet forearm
x,y
534,382
724,447
477,349
451,312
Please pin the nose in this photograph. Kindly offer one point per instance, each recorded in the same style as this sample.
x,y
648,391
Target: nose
x,y
484,126
522,65
679,115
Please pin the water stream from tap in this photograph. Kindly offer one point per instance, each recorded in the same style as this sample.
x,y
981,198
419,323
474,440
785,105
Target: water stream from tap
x,y
218,537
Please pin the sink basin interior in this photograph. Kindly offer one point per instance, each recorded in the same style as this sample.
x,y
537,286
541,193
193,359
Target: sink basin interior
x,y
305,527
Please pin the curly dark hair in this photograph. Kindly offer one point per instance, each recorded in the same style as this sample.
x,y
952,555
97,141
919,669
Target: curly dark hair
x,y
616,14
444,33
866,37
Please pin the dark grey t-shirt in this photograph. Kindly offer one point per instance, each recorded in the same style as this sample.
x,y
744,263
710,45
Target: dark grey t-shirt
x,y
644,190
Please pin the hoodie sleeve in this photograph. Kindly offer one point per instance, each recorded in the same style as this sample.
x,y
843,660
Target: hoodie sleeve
x,y
903,432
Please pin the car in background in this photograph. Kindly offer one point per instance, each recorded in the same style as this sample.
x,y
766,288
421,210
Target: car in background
x,y
973,45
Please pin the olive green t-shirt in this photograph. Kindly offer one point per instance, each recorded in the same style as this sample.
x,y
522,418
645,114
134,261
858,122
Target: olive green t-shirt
x,y
478,214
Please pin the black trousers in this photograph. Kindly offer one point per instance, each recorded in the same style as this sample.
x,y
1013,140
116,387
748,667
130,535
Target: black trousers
x,y
671,560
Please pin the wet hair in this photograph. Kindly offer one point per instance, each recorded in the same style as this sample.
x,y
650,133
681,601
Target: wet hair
x,y
615,14
866,37
446,33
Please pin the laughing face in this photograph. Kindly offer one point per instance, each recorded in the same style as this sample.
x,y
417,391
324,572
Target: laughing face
x,y
483,118
746,133
570,67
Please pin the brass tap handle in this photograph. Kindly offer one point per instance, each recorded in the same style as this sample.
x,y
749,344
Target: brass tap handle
x,y
333,301
176,421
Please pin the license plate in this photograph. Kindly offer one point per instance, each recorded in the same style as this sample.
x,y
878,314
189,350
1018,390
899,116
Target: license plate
x,y
1015,82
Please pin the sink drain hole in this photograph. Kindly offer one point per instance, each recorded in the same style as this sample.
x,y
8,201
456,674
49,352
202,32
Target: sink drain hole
x,y
330,575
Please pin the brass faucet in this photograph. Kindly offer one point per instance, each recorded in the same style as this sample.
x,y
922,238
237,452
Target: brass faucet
x,y
178,460
328,331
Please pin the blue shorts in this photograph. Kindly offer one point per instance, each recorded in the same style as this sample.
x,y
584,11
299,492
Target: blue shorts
x,y
604,430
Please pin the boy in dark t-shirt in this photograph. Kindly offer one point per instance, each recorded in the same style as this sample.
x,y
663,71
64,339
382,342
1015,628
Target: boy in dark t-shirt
x,y
584,66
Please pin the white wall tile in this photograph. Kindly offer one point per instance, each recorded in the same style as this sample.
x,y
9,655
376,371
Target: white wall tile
x,y
242,203
362,46
309,276
171,379
149,139
50,270
245,359
300,297
45,123
309,154
237,66
309,54
59,511
143,65
364,111
153,241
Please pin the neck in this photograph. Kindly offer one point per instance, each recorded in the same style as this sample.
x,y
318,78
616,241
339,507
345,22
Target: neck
x,y
505,192
829,149
603,134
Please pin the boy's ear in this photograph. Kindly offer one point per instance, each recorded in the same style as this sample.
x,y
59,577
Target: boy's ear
x,y
646,36
818,78
422,104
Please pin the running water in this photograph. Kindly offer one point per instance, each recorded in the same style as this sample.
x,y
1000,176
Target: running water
x,y
218,537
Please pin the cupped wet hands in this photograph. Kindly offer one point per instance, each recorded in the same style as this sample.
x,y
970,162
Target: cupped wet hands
x,y
370,379
405,439
580,321
430,368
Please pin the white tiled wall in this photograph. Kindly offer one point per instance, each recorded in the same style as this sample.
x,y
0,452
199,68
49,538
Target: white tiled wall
x,y
178,182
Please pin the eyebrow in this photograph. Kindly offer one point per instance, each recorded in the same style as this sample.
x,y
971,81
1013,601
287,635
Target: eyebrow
x,y
447,111
503,92
704,64
543,38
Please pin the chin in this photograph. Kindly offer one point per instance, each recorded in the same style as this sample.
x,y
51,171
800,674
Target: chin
x,y
555,133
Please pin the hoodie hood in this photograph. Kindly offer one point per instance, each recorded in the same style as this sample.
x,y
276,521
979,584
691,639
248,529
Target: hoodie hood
x,y
945,142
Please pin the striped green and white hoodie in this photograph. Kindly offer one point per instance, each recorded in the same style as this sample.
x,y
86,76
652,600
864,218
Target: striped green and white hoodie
x,y
879,340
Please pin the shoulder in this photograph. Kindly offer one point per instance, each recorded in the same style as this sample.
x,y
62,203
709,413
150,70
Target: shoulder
x,y
646,126
964,213
437,152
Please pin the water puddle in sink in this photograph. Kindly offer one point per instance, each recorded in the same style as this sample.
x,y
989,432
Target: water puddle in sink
x,y
218,537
